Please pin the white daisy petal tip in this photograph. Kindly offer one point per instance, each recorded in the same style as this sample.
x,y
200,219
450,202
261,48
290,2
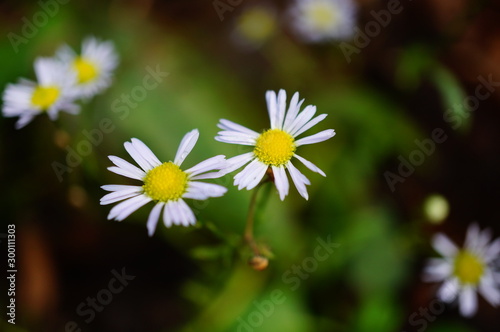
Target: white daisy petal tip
x,y
186,146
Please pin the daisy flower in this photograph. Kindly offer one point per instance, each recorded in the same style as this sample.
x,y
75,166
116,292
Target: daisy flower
x,y
93,67
51,93
467,270
274,148
319,20
163,183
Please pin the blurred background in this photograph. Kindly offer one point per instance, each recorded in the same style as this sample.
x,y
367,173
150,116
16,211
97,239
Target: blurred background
x,y
382,92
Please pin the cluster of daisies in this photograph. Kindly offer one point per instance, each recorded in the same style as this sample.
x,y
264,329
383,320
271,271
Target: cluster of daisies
x,y
61,81
464,272
313,21
69,77
167,185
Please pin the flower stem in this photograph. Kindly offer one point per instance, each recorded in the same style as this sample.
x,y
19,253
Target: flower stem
x,y
248,235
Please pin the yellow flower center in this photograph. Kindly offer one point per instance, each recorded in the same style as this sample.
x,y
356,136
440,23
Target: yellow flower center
x,y
322,16
274,147
45,96
469,268
166,182
257,24
86,70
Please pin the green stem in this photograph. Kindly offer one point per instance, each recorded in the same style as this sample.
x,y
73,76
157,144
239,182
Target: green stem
x,y
248,235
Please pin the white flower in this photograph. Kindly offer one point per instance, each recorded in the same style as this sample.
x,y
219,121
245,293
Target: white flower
x,y
275,147
466,271
164,183
320,20
93,67
51,93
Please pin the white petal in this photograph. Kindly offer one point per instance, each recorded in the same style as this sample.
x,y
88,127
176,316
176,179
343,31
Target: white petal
x,y
437,269
316,138
468,301
128,167
177,213
489,290
483,241
65,53
153,218
251,175
309,165
202,190
257,176
53,113
308,125
141,201
472,236
244,175
272,107
188,217
137,156
121,171
281,181
187,144
293,110
210,175
118,187
232,133
169,213
449,290
210,164
125,208
146,152
303,118
280,116
234,163
231,126
299,180
237,139
120,195
46,70
493,251
443,245
24,120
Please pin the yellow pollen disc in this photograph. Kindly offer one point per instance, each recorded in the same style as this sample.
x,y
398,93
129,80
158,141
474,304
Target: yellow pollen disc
x,y
166,182
322,16
468,268
274,147
44,96
86,70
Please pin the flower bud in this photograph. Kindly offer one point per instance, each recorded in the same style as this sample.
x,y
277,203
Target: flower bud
x,y
258,263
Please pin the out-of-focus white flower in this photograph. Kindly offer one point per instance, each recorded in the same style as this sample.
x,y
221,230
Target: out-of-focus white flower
x,y
466,271
51,93
323,20
93,67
